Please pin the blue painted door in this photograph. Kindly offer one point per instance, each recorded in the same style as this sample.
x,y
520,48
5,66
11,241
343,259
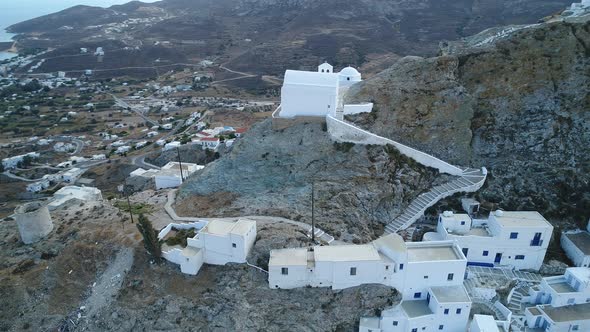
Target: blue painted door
x,y
498,258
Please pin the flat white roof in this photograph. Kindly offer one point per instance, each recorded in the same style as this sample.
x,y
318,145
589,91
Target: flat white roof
x,y
580,240
447,294
77,191
243,226
486,323
312,78
288,257
416,308
576,312
432,251
351,253
221,227
521,219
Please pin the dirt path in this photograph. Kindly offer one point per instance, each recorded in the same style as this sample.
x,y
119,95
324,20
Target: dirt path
x,y
103,292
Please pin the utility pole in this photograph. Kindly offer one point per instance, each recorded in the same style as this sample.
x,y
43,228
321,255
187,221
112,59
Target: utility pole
x,y
312,211
180,165
128,201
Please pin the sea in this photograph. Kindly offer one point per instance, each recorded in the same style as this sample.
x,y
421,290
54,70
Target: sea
x,y
15,11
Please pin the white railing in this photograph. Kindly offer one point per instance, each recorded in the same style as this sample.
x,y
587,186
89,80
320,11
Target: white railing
x,y
276,112
346,132
469,188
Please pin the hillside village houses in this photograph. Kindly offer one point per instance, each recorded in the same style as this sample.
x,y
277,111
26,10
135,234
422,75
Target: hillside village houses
x,y
506,238
13,162
576,245
561,303
217,242
428,274
169,176
410,267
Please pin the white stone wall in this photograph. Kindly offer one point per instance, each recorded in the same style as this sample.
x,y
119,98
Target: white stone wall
x,y
358,108
344,132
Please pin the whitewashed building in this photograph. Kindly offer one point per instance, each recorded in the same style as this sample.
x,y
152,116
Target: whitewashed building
x,y
506,238
410,267
443,309
72,175
13,162
38,186
170,175
68,193
548,318
306,93
562,303
487,323
209,143
318,94
576,245
573,287
171,145
217,242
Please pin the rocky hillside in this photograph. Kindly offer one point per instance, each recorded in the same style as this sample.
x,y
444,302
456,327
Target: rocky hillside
x,y
515,100
357,188
268,36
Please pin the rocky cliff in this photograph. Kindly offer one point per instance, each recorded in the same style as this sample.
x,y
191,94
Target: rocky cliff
x,y
514,99
357,188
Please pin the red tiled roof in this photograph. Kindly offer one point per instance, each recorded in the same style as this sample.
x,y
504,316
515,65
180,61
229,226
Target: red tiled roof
x,y
241,130
210,139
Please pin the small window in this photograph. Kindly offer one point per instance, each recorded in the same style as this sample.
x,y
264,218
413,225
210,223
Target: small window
x,y
462,223
233,245
485,252
353,271
571,301
519,257
446,311
450,276
440,327
465,251
458,311
348,78
415,329
401,266
575,327
514,235
323,70
395,323
417,295
387,267
425,277
285,271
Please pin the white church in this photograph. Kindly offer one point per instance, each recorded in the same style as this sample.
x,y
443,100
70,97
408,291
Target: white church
x,y
318,93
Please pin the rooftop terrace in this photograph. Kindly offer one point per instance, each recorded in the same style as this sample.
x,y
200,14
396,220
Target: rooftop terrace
x,y
432,253
568,313
448,294
416,308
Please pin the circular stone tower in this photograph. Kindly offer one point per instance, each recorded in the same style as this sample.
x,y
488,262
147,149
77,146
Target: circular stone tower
x,y
34,221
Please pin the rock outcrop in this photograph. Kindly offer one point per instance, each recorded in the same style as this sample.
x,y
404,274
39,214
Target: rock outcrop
x,y
515,100
357,188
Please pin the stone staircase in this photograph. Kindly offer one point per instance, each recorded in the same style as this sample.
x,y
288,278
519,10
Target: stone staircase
x,y
471,180
516,299
497,313
320,235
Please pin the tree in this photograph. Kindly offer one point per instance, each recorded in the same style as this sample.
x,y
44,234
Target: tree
x,y
150,237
